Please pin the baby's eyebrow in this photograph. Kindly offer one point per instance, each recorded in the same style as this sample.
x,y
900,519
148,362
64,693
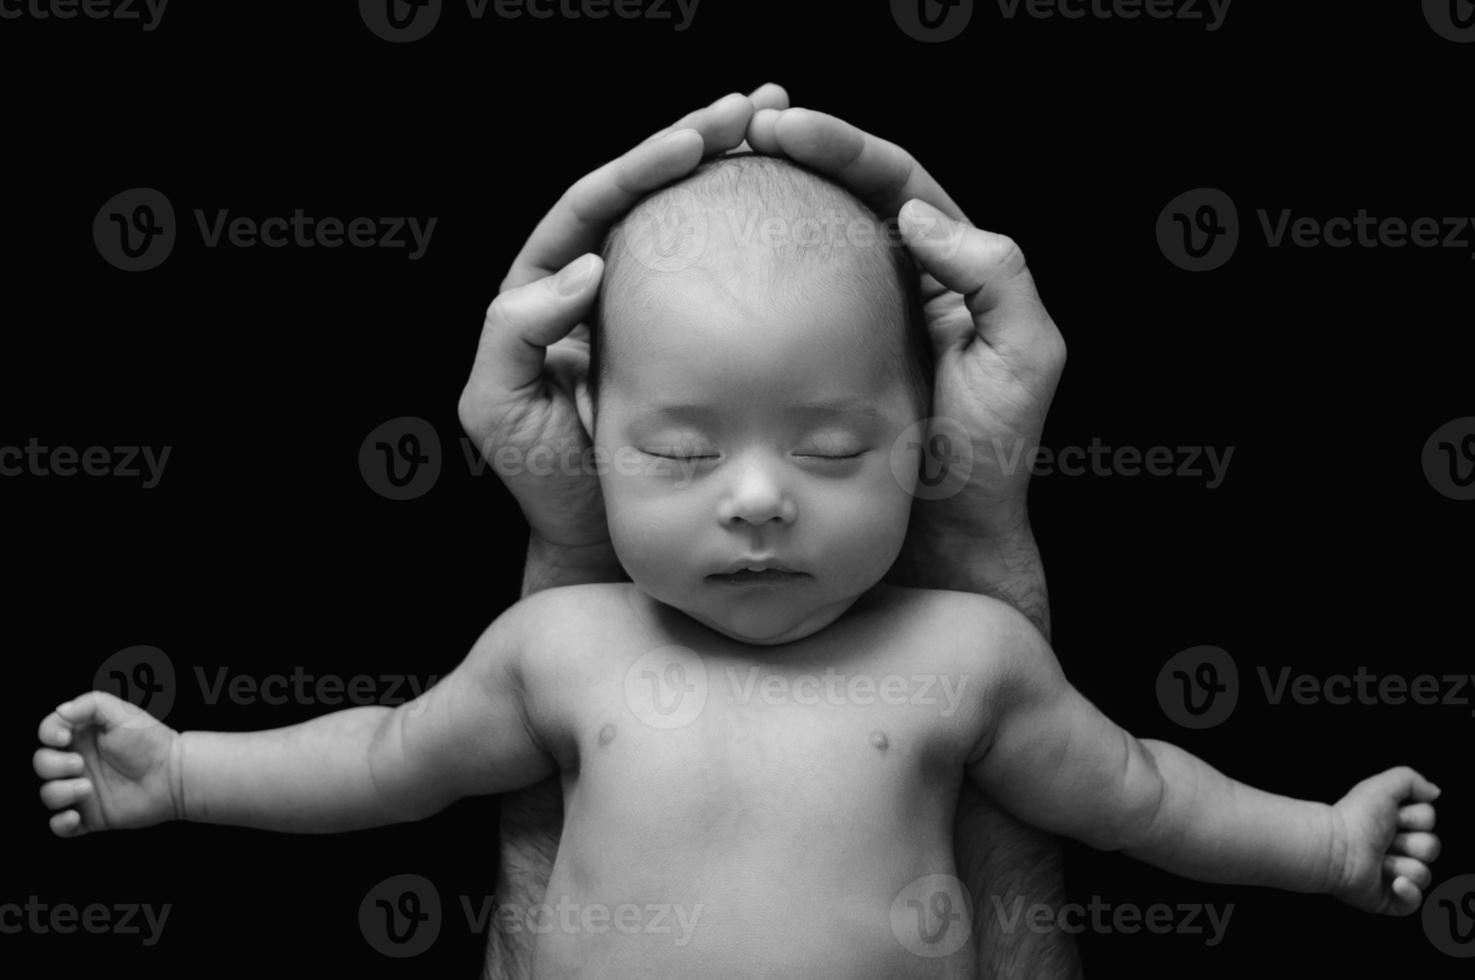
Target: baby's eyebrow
x,y
822,409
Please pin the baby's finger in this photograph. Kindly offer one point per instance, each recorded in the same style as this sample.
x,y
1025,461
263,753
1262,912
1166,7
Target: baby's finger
x,y
1416,816
520,325
107,711
877,170
1406,897
1406,867
54,730
67,823
1425,847
51,764
65,792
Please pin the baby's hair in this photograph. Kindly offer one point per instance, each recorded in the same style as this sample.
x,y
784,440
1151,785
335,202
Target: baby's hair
x,y
757,188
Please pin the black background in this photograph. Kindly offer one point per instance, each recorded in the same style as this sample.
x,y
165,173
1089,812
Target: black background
x,y
263,549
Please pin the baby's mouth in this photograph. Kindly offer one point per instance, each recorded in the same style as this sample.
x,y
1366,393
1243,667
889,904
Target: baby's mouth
x,y
770,576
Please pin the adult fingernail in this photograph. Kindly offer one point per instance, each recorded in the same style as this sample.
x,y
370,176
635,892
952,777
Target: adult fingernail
x,y
929,222
575,275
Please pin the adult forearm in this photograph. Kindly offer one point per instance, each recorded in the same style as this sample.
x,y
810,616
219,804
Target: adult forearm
x,y
532,818
1209,827
1009,868
1003,563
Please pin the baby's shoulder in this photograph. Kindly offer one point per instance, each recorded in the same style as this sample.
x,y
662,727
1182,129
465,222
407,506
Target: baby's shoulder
x,y
957,623
568,616
930,608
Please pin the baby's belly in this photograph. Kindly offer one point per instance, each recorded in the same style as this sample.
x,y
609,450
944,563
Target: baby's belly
x,y
791,926
887,908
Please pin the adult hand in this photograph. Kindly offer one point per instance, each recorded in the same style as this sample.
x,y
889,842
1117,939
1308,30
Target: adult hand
x,y
999,355
534,347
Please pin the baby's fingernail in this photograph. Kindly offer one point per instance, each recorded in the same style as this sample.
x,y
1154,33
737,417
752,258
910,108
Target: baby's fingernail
x,y
64,737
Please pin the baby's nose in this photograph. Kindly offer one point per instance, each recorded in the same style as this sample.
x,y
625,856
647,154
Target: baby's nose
x,y
757,495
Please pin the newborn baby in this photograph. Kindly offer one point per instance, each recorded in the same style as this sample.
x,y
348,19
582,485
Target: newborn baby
x,y
756,734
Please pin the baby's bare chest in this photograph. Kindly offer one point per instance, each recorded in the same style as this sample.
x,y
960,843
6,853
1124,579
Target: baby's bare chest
x,y
860,729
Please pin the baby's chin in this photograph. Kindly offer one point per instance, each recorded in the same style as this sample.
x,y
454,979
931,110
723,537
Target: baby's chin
x,y
769,626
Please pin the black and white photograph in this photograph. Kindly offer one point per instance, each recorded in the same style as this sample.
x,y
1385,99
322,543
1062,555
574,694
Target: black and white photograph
x,y
643,489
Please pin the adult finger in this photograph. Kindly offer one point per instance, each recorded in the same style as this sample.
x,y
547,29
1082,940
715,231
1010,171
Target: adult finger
x,y
578,222
878,171
520,325
990,272
769,96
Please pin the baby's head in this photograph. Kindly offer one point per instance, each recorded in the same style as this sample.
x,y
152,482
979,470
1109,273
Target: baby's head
x,y
757,351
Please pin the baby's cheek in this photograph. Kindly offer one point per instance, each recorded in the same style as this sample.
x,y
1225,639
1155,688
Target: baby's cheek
x,y
651,536
866,525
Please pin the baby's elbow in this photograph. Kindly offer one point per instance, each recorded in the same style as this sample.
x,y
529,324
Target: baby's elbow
x,y
1141,791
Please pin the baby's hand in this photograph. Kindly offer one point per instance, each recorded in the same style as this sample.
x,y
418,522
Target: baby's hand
x,y
1385,822
119,772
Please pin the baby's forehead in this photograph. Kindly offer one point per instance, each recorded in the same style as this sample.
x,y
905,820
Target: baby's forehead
x,y
760,231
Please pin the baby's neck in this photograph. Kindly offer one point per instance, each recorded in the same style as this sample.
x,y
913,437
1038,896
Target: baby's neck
x,y
701,634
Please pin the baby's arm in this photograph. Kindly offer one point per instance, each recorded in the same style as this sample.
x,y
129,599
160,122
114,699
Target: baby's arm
x,y
1054,760
362,767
